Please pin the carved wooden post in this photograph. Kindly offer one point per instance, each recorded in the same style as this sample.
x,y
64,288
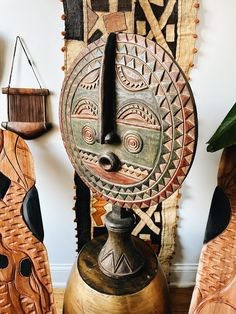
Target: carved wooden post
x,y
128,122
216,277
25,281
119,257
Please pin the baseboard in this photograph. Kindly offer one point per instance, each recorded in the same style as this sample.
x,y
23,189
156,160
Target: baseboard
x,y
60,274
182,275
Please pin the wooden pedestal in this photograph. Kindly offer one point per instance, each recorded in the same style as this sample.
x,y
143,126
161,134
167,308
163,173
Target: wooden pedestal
x,y
89,291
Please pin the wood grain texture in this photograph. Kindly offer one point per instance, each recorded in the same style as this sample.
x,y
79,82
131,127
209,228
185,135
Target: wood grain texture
x,y
99,281
215,288
25,282
89,291
26,111
25,91
179,299
27,130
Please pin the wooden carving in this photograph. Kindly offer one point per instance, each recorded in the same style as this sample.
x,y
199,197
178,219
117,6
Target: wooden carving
x,y
155,122
89,291
26,107
128,122
25,282
215,290
172,24
26,112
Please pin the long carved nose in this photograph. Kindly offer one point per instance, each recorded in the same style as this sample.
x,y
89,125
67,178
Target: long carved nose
x,y
107,95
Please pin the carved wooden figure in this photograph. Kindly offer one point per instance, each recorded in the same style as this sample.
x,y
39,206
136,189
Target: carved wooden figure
x,y
215,290
25,282
128,122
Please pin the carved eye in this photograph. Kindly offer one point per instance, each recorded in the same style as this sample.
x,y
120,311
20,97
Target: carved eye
x,y
89,135
85,109
133,143
26,267
3,261
90,81
131,79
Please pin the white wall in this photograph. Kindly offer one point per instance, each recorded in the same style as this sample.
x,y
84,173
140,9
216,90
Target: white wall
x,y
213,83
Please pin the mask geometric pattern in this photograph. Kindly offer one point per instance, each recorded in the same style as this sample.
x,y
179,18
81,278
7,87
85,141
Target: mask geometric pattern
x,y
173,25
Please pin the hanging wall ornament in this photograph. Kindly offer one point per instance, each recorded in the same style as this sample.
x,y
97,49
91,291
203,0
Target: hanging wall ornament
x,y
170,23
26,106
25,281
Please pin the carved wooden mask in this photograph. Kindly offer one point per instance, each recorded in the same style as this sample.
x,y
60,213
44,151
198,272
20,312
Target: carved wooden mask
x,y
128,120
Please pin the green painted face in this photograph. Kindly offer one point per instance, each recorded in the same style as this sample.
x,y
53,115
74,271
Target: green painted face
x,y
154,121
137,137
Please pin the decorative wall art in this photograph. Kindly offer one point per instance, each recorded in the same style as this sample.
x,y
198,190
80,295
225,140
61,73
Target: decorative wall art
x,y
173,25
25,281
129,125
26,107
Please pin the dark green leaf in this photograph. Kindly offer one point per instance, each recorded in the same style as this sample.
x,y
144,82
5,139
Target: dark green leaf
x,y
225,135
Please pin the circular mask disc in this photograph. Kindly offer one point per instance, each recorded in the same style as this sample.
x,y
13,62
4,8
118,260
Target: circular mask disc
x,y
155,121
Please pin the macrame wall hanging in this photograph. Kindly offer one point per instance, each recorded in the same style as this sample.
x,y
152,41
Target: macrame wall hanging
x,y
26,107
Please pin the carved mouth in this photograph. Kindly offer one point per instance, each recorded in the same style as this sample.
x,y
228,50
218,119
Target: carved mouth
x,y
127,174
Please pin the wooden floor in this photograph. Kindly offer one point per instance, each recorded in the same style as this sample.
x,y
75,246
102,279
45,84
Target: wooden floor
x,y
180,300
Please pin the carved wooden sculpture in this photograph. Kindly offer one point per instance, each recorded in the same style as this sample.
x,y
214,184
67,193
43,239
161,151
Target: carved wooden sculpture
x,y
172,24
128,122
25,283
215,290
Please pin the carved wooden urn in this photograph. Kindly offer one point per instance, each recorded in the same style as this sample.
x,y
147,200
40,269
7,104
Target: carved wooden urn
x,y
128,122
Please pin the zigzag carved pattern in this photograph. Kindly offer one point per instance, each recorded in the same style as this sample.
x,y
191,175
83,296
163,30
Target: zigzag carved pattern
x,y
98,210
21,294
219,251
17,237
175,107
216,277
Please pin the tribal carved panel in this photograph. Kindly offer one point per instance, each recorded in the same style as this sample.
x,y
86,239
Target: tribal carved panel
x,y
25,282
215,288
155,121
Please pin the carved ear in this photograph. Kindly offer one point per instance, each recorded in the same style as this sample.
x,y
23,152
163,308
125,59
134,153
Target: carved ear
x,y
4,185
32,213
219,215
